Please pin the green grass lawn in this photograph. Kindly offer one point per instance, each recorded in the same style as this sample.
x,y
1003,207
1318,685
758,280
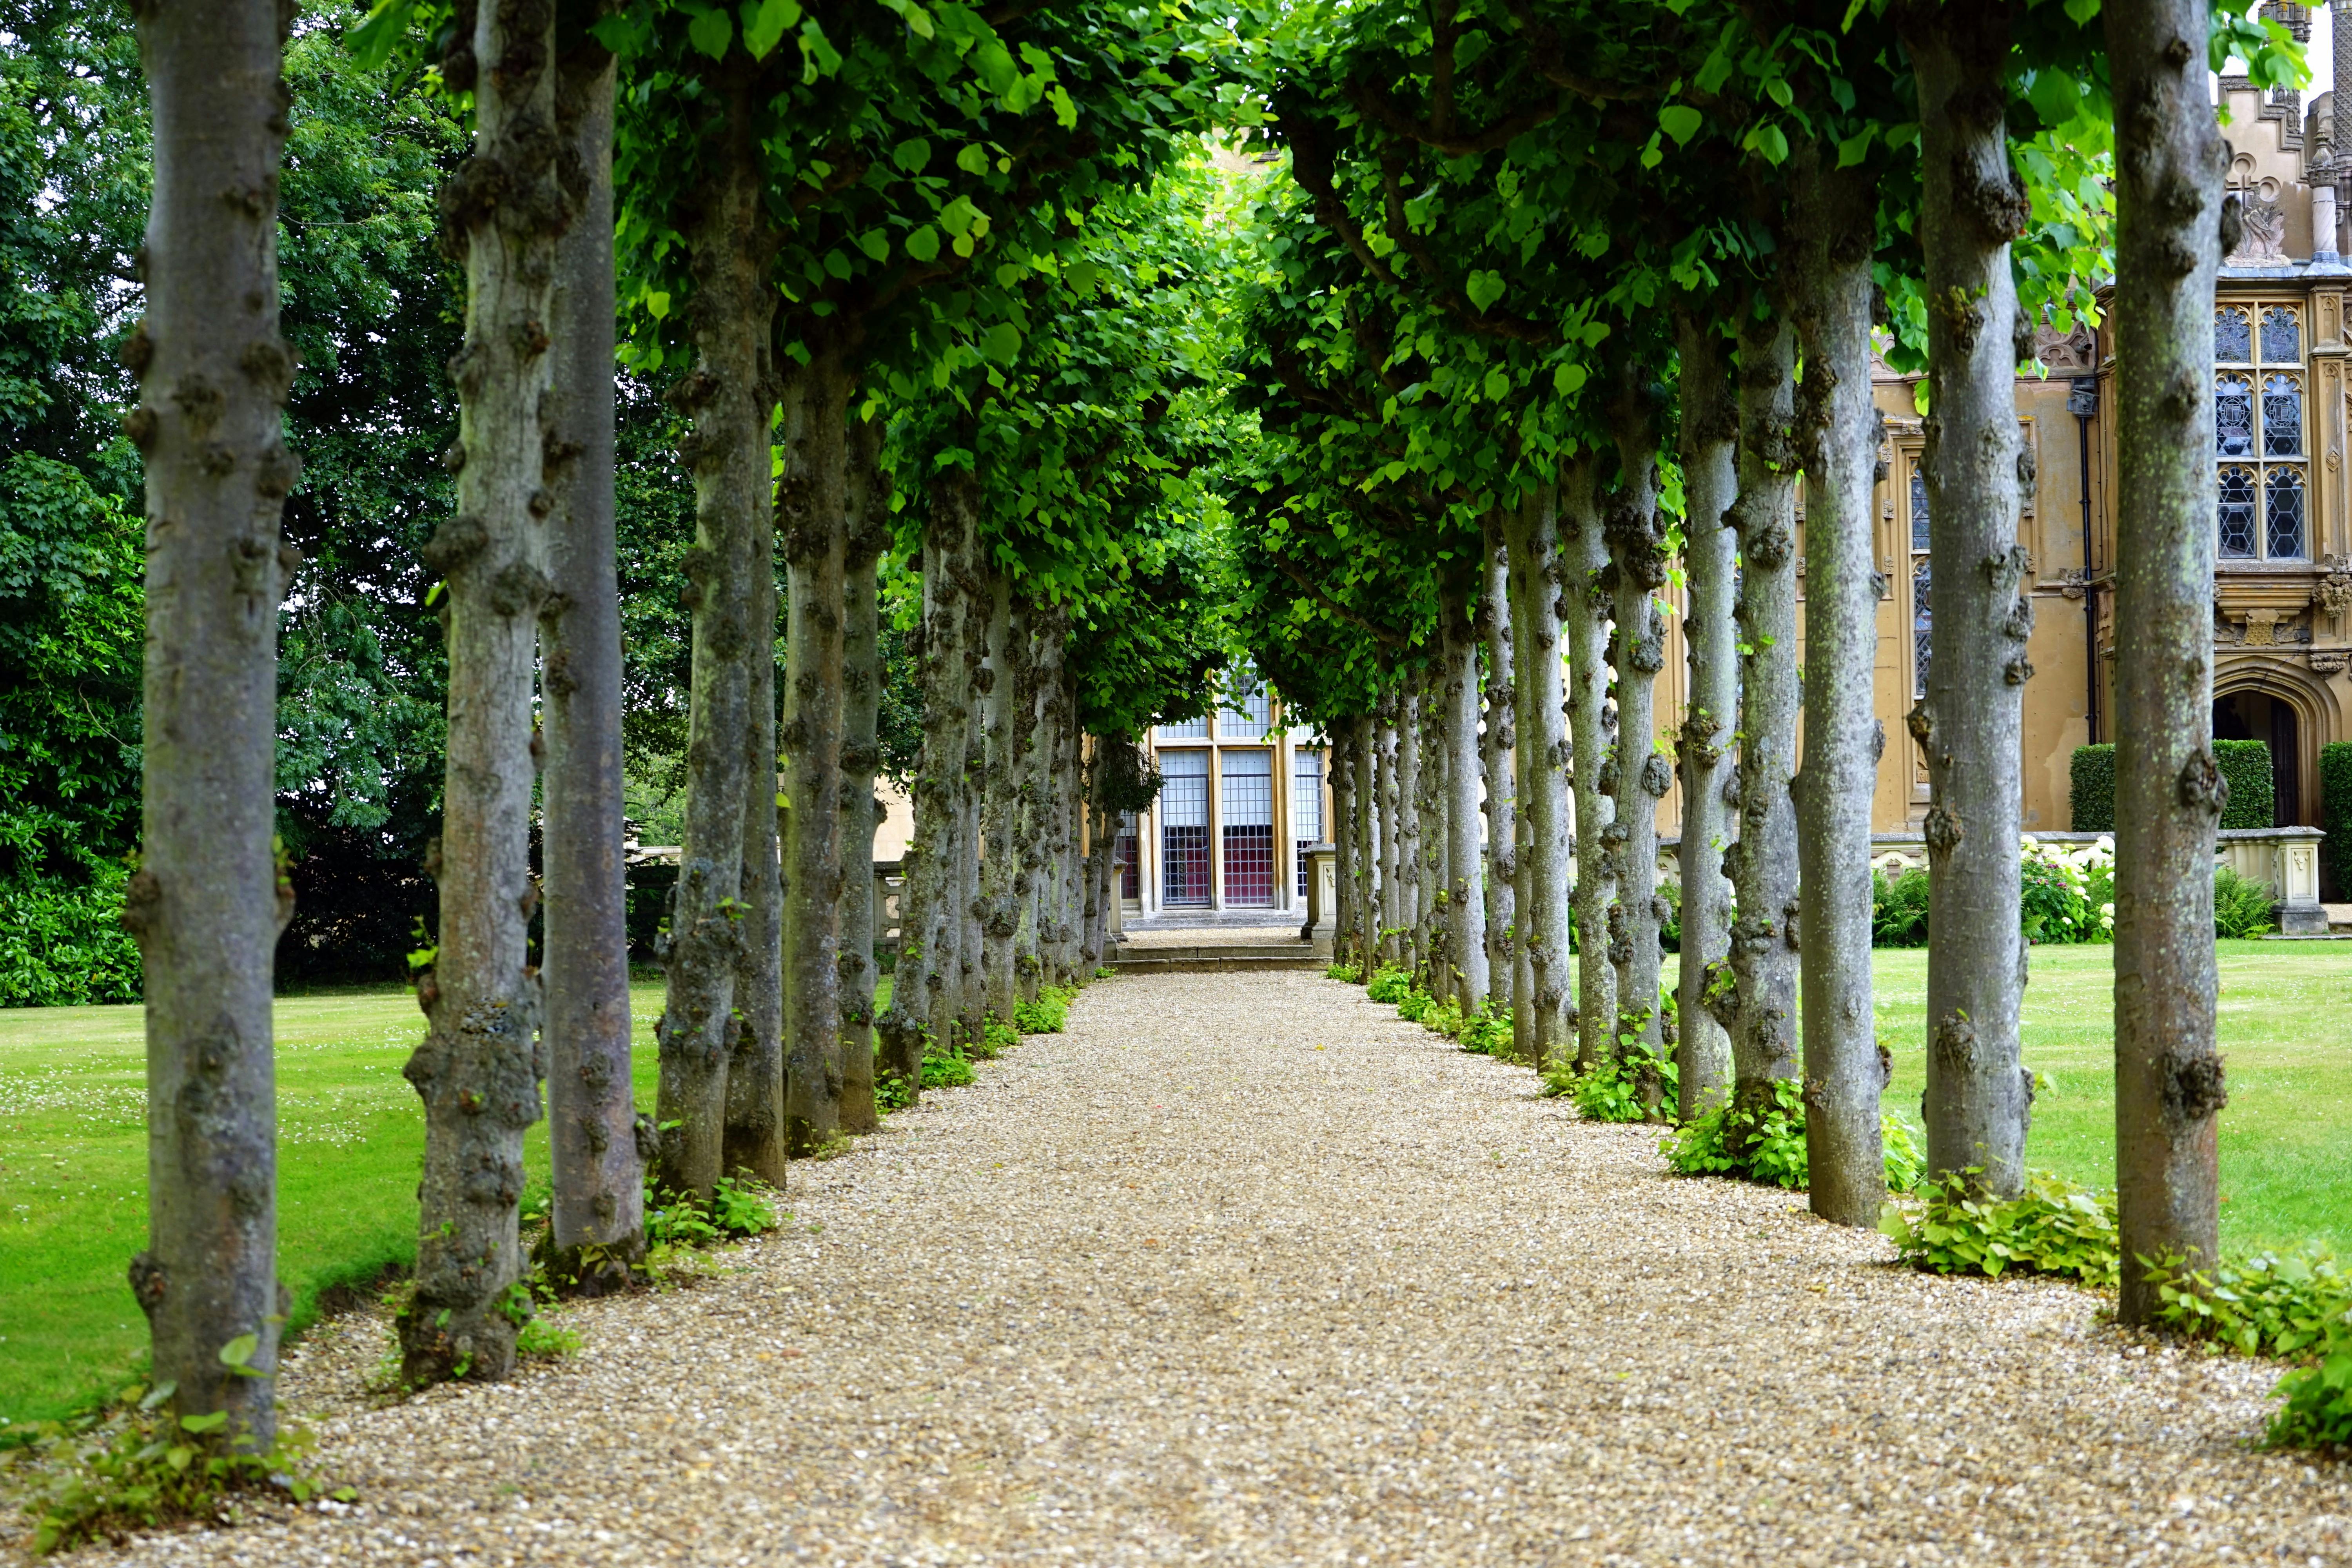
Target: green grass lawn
x,y
73,1173
2286,1037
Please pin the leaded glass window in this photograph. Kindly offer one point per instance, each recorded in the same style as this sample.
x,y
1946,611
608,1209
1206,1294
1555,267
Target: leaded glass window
x,y
1922,624
2281,336
1918,508
2282,416
2237,511
2233,342
2259,432
2233,417
2283,514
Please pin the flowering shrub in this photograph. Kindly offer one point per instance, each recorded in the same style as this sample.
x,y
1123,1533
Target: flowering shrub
x,y
2067,895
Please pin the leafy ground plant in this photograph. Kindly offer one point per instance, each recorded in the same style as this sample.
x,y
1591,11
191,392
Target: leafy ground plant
x,y
1046,1014
1389,984
1622,1089
2241,906
1766,1144
2318,1409
2053,1227
142,1467
1487,1034
2269,1304
1348,972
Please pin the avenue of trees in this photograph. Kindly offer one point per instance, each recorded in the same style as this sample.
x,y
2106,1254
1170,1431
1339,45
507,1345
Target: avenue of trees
x,y
834,389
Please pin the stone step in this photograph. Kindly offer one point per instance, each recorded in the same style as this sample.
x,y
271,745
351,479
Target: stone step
x,y
1255,959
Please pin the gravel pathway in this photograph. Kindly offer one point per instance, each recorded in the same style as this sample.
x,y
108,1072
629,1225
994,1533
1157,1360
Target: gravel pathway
x,y
1245,1270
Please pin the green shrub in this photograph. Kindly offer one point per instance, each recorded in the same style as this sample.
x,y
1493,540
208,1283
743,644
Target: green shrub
x,y
1415,1005
1766,1144
2336,810
1670,930
2067,895
1488,1034
2246,765
2318,1409
2241,906
1614,1090
62,943
1046,1014
2051,1227
2091,778
1898,909
1348,972
1389,984
995,1039
946,1069
736,1209
2263,1305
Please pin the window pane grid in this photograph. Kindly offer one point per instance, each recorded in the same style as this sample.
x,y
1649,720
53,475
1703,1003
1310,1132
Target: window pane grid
x,y
2261,501
1247,809
1184,830
1306,807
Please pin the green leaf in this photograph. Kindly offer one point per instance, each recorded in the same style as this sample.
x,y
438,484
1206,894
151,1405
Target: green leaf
x,y
1568,378
2080,12
1483,289
2054,96
657,304
1681,122
875,243
1064,112
239,1350
372,42
765,23
1001,342
711,32
1498,385
911,155
972,159
923,245
1771,142
1855,148
211,1422
918,20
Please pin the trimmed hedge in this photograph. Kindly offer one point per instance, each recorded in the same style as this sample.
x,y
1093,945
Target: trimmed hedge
x,y
2091,778
2336,810
2247,765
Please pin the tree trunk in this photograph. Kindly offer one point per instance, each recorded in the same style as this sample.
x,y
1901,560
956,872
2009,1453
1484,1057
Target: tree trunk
x,y
1389,826
730,394
1034,883
813,503
1413,947
1759,1011
966,1001
208,901
1505,992
1371,890
479,1068
1839,434
1710,563
1001,731
753,1143
1102,842
927,930
2168,793
594,1129
1463,869
1539,697
1342,913
1979,1097
1636,535
1583,611
867,496
1763,861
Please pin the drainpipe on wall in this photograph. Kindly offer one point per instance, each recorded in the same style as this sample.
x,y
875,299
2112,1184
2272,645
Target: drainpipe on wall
x,y
2082,402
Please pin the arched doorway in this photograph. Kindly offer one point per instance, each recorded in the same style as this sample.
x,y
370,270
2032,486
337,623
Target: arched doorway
x,y
2254,714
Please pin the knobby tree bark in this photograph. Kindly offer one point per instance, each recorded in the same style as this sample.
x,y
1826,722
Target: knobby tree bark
x,y
1538,697
2169,1087
1758,1006
1969,723
1367,827
1003,738
479,1068
1413,949
1638,775
1710,563
753,1142
208,899
867,495
813,504
1582,606
1506,977
1390,832
730,394
1465,937
1342,915
597,1143
1839,432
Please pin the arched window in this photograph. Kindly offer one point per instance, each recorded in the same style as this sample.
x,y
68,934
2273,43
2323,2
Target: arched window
x,y
2259,430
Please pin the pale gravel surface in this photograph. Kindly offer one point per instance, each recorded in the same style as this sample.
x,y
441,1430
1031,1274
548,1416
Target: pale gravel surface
x,y
1245,1270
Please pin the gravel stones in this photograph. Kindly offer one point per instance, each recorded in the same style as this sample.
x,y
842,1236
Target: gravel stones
x,y
1243,1269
